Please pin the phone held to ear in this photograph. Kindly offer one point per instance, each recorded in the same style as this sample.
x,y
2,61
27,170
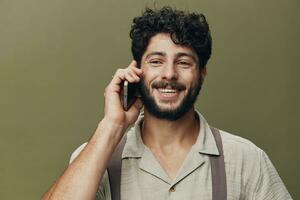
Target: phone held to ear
x,y
129,94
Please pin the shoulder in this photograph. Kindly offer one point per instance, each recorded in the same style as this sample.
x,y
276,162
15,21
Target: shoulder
x,y
235,144
242,162
251,167
241,156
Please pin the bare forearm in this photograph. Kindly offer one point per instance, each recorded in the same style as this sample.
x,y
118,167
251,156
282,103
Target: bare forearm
x,y
82,178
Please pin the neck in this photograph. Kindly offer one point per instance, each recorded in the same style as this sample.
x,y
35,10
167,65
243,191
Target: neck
x,y
164,134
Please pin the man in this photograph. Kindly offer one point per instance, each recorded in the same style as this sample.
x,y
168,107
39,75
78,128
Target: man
x,y
167,152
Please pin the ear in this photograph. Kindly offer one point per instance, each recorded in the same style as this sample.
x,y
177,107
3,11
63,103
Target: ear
x,y
203,73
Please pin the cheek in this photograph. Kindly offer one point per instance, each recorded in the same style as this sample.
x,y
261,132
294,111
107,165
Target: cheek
x,y
150,75
190,78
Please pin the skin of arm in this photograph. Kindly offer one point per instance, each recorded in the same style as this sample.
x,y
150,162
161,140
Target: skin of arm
x,y
82,177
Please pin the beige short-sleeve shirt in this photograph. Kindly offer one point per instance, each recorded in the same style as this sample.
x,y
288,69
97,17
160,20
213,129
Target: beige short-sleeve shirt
x,y
249,172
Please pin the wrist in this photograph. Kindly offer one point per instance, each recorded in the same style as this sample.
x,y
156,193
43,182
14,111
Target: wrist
x,y
110,131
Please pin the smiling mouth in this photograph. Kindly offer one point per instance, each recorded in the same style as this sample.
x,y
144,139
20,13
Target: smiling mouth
x,y
167,91
168,94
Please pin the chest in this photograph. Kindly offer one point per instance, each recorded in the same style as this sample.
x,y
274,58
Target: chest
x,y
171,163
145,180
148,183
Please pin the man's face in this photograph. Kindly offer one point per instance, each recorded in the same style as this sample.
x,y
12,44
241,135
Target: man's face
x,y
172,79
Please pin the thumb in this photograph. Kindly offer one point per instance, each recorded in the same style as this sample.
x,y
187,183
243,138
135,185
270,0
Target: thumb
x,y
138,104
134,111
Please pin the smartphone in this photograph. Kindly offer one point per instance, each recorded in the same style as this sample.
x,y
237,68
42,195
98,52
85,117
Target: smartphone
x,y
129,94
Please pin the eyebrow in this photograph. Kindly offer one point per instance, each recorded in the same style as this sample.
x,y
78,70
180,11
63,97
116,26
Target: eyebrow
x,y
159,53
177,55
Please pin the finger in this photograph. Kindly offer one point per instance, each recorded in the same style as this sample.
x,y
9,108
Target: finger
x,y
114,85
129,77
138,71
133,66
119,76
133,75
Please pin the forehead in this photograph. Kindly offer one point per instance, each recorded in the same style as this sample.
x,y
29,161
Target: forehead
x,y
162,42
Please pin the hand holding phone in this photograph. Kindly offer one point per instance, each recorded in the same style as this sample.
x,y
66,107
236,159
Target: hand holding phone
x,y
114,109
129,94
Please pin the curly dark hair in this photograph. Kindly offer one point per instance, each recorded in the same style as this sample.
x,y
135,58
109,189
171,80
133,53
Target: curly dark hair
x,y
188,29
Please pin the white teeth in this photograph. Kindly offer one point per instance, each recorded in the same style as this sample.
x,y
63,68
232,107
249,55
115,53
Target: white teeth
x,y
167,91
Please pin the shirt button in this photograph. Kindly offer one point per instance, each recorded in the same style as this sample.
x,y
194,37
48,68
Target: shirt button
x,y
172,189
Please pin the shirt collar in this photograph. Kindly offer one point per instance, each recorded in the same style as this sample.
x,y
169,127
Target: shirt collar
x,y
134,146
205,143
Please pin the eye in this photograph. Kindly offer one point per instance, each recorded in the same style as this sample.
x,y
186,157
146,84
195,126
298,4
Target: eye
x,y
155,62
184,64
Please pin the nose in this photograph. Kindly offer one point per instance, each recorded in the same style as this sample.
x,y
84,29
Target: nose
x,y
169,72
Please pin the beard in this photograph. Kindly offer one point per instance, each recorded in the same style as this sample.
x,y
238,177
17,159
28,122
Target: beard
x,y
169,114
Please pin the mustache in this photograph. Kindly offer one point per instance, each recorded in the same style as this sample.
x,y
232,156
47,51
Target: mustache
x,y
172,85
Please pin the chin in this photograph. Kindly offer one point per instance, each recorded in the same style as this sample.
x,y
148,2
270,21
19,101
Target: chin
x,y
171,112
168,106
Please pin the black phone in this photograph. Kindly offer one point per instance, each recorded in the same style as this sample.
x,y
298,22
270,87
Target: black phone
x,y
129,94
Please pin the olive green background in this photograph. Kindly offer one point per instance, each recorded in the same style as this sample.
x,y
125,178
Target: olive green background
x,y
56,57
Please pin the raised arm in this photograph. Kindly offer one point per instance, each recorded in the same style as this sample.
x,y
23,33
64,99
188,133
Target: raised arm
x,y
82,177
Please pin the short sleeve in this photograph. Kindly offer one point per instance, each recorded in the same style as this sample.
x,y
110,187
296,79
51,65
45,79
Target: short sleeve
x,y
270,185
77,152
103,192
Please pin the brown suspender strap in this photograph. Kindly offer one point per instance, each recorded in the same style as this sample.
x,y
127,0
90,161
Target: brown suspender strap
x,y
219,188
114,171
218,174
